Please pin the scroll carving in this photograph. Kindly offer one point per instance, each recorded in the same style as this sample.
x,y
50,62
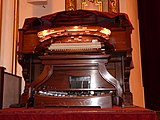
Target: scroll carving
x,y
113,6
92,4
70,4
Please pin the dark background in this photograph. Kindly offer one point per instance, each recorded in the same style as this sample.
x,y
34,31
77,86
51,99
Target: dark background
x,y
149,22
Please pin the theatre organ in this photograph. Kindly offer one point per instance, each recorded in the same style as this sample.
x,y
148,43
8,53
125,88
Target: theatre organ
x,y
76,58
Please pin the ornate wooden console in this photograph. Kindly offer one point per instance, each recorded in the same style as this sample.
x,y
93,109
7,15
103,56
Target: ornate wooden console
x,y
76,59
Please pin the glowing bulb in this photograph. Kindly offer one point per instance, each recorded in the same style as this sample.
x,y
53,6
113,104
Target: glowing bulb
x,y
75,27
106,31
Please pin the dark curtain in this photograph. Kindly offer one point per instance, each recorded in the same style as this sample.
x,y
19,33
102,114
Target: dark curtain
x,y
149,21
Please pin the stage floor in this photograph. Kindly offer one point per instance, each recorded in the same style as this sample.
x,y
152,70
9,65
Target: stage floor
x,y
115,113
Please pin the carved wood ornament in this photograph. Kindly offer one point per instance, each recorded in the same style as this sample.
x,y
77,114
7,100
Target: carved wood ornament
x,y
112,5
70,4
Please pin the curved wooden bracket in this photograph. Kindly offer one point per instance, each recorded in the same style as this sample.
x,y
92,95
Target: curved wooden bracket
x,y
47,72
109,78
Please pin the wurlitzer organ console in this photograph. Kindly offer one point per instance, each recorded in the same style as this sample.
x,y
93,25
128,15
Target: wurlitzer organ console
x,y
76,59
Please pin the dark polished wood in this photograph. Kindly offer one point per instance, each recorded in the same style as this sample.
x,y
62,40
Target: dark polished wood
x,y
42,68
1,85
59,68
104,101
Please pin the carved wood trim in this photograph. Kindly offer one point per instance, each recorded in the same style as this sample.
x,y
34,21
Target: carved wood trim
x,y
47,72
112,5
97,3
70,4
109,78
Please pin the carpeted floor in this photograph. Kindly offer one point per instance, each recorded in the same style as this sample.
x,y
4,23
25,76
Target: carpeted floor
x,y
158,114
115,113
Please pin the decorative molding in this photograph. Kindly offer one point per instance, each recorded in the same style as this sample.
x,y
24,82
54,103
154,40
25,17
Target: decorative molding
x,y
70,4
100,5
113,6
92,4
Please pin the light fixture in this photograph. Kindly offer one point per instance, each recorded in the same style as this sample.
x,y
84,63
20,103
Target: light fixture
x,y
74,30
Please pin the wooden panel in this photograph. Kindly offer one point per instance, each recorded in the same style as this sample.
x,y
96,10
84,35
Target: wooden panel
x,y
29,42
10,89
60,78
104,101
120,40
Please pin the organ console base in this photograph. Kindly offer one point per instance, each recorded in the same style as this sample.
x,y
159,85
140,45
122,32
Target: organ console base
x,y
76,77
